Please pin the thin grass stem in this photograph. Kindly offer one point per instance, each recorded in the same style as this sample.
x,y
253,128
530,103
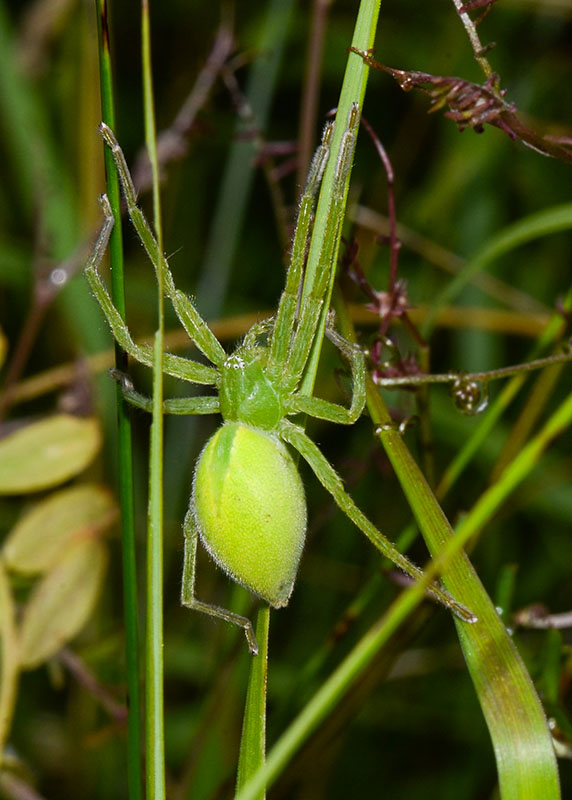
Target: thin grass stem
x,y
154,707
352,95
253,740
129,561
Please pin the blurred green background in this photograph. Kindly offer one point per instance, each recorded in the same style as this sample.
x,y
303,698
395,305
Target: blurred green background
x,y
412,727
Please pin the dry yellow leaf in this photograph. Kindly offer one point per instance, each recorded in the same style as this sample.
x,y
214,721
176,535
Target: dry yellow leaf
x,y
41,537
62,602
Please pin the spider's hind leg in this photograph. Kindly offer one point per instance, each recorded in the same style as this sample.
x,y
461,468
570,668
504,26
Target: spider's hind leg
x,y
188,598
332,482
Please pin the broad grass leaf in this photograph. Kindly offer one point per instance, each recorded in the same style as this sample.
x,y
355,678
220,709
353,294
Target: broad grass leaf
x,y
62,602
47,453
41,537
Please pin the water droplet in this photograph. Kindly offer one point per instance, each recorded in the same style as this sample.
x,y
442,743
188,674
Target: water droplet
x,y
58,276
470,396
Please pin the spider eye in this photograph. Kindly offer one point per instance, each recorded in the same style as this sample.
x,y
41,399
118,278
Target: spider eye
x,y
250,508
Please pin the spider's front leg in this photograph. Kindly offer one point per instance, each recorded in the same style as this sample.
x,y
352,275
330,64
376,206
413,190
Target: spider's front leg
x,y
188,598
173,365
118,327
197,329
174,405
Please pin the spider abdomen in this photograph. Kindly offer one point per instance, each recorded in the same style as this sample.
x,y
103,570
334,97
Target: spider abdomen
x,y
250,509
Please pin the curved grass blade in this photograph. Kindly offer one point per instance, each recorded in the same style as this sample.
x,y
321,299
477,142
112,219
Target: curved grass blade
x,y
521,739
543,223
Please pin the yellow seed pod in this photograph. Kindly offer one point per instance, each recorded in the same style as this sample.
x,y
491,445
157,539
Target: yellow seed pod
x,y
250,509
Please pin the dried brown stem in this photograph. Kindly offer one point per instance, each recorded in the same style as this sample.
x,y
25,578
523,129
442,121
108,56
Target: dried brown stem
x,y
472,105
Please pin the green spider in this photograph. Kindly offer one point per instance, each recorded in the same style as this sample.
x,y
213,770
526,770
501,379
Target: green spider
x,y
247,502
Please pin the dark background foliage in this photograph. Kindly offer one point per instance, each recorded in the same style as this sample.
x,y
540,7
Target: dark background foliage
x,y
412,727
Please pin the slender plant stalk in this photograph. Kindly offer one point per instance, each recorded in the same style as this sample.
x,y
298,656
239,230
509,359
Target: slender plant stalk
x,y
471,29
253,740
335,688
221,248
130,601
352,93
154,707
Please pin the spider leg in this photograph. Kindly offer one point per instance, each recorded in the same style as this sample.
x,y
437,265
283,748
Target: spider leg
x,y
191,320
256,331
188,598
173,365
331,481
324,409
175,405
315,292
288,306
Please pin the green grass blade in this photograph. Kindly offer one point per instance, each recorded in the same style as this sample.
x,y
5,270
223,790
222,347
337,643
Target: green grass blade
x,y
522,742
523,746
333,690
353,92
154,722
253,740
154,706
129,562
543,223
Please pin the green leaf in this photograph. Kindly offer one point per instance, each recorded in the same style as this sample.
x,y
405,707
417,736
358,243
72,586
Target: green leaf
x,y
62,602
47,453
41,537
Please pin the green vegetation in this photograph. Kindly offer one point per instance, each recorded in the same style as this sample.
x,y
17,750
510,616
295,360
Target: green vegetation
x,y
360,688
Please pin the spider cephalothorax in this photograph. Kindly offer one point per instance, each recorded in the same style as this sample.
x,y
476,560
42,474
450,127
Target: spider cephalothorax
x,y
247,393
